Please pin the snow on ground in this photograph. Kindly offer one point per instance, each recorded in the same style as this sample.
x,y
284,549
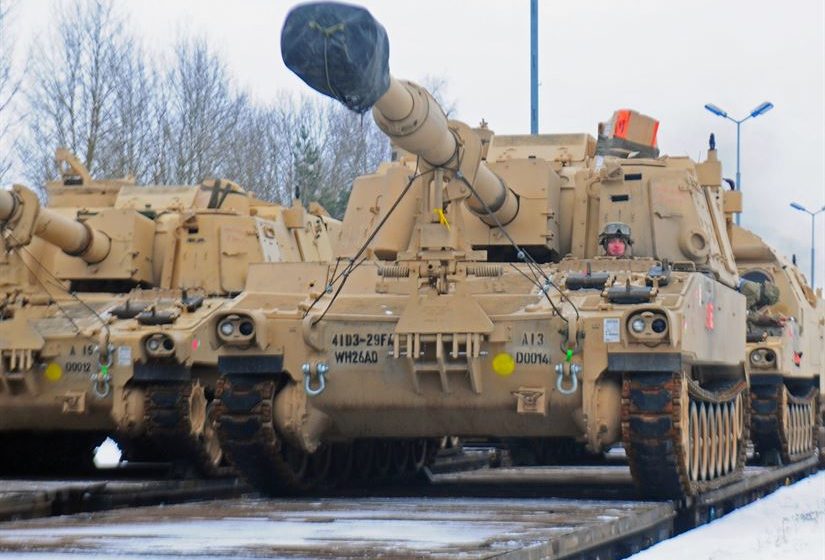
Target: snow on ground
x,y
790,523
107,455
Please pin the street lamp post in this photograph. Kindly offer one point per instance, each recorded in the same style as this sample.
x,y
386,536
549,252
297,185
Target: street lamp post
x,y
760,110
534,66
801,208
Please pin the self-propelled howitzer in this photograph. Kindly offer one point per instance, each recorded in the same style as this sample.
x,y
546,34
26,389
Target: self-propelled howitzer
x,y
484,303
100,294
786,355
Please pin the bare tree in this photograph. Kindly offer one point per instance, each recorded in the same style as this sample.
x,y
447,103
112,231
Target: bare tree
x,y
438,86
257,151
202,114
353,146
93,92
9,86
74,90
132,147
327,148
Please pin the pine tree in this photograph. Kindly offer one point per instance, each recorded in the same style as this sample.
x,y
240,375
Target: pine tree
x,y
307,169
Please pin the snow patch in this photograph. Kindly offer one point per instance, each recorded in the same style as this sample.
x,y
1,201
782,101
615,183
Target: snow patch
x,y
107,455
790,523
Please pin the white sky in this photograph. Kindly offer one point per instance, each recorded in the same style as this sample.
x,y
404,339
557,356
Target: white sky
x,y
665,59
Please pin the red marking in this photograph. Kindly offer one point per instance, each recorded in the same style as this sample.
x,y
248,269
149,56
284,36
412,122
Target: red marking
x,y
655,132
797,359
620,126
195,343
709,316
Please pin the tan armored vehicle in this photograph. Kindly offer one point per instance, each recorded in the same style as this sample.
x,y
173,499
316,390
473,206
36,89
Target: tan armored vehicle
x,y
103,292
485,303
786,351
31,293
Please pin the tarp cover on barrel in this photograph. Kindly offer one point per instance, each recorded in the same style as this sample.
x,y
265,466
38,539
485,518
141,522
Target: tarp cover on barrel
x,y
339,50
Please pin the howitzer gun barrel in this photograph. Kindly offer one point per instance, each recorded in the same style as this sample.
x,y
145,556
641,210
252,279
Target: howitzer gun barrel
x,y
342,52
72,236
413,120
8,203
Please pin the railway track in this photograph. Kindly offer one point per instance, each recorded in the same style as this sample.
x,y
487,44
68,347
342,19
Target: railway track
x,y
533,512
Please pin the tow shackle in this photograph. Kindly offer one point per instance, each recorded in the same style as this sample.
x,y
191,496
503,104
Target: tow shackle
x,y
572,370
320,369
101,385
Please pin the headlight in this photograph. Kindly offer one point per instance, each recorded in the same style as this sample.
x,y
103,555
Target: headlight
x,y
649,326
238,329
763,357
227,327
159,345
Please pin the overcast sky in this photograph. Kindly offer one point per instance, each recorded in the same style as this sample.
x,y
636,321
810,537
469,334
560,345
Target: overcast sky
x,y
665,59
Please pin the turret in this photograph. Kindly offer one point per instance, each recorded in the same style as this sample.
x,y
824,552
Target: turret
x,y
341,51
116,235
22,217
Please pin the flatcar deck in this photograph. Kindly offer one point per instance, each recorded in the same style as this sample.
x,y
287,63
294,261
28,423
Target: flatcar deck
x,y
504,513
350,528
23,499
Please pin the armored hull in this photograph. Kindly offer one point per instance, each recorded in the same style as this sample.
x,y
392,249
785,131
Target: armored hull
x,y
529,289
531,354
785,352
104,290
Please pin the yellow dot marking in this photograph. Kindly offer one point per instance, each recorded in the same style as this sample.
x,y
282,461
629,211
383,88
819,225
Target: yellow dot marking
x,y
504,364
54,372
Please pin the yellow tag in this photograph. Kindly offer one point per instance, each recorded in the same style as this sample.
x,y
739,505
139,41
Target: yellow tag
x,y
442,218
54,372
504,364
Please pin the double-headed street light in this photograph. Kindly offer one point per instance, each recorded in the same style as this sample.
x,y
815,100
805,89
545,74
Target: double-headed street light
x,y
801,208
760,110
